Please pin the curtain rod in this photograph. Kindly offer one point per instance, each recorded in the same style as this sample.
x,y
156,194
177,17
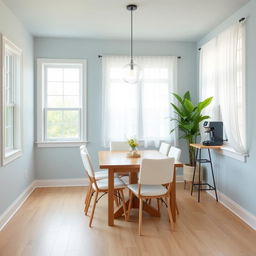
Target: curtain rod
x,y
100,56
240,21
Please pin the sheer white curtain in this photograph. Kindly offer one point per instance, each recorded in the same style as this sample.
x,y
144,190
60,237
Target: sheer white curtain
x,y
139,110
231,81
222,72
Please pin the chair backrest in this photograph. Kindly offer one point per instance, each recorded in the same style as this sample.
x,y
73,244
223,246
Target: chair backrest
x,y
86,161
175,153
156,171
119,146
164,148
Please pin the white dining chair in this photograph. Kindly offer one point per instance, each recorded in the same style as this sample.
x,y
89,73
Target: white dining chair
x,y
98,176
119,146
175,153
153,173
100,185
164,148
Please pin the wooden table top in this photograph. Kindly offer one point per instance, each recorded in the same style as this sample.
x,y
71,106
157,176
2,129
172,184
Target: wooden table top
x,y
119,159
201,146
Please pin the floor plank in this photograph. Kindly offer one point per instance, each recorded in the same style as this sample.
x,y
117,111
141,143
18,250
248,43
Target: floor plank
x,y
51,222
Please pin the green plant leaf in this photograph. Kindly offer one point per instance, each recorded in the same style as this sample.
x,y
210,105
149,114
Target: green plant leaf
x,y
204,104
188,105
177,97
179,112
187,96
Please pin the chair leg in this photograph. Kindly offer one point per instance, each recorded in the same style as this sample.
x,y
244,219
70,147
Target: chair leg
x,y
93,209
169,210
185,184
140,215
89,201
87,196
158,205
130,205
123,202
116,196
177,209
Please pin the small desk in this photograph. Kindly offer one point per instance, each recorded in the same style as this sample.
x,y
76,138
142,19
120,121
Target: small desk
x,y
118,162
199,148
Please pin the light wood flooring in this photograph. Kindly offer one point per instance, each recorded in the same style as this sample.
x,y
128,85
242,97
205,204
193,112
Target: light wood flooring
x,y
51,222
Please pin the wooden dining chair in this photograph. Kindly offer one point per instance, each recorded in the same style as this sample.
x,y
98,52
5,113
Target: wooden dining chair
x,y
153,173
164,148
101,185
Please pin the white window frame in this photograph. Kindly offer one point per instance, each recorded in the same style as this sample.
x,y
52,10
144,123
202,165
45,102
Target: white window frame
x,y
10,155
42,140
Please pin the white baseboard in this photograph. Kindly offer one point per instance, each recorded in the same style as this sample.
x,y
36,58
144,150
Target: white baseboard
x,y
234,207
61,183
15,206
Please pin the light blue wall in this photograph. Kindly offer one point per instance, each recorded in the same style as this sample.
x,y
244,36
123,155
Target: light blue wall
x,y
58,163
236,179
16,176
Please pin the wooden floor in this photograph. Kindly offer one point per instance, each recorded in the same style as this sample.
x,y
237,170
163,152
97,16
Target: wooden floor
x,y
51,222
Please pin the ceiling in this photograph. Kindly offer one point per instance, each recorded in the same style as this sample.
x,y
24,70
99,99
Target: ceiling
x,y
180,20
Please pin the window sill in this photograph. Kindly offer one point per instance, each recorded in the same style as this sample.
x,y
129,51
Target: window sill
x,y
11,156
230,152
62,144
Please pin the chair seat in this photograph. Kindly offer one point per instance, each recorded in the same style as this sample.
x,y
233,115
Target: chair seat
x,y
101,175
103,184
125,179
148,190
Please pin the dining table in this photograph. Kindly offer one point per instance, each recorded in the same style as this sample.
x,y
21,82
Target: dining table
x,y
119,162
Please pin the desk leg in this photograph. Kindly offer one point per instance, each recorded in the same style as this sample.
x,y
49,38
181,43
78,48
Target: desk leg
x,y
111,197
173,196
215,189
193,179
199,177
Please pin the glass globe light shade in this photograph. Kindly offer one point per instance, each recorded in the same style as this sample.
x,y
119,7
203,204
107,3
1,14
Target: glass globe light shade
x,y
132,73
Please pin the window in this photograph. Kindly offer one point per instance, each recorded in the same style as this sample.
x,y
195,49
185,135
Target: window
x,y
138,110
222,75
61,102
11,101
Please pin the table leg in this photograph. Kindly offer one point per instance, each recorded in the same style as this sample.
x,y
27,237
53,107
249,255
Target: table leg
x,y
111,197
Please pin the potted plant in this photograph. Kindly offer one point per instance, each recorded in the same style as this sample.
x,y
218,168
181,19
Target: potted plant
x,y
188,118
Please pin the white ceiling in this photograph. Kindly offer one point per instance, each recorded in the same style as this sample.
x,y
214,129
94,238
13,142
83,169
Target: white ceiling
x,y
180,20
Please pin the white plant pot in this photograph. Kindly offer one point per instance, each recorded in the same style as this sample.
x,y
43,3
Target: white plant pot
x,y
188,173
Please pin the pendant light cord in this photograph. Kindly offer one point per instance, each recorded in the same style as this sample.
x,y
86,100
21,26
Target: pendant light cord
x,y
132,39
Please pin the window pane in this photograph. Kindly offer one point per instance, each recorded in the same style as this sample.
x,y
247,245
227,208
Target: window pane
x,y
9,73
55,88
63,124
71,89
71,101
71,74
9,127
54,74
55,101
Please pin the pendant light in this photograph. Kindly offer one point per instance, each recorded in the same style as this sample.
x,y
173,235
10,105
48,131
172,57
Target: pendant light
x,y
131,72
